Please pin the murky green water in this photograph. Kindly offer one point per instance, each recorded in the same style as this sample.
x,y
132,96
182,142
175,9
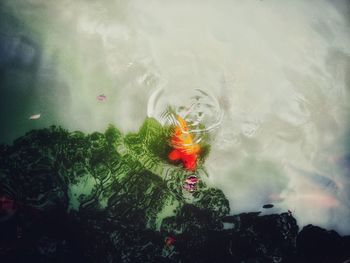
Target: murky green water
x,y
280,71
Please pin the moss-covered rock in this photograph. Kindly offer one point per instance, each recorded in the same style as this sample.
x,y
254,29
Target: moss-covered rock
x,y
104,197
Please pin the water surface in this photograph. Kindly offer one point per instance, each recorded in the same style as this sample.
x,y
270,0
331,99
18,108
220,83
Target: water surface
x,y
279,69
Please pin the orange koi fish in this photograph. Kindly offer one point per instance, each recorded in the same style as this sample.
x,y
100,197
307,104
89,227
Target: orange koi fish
x,y
185,150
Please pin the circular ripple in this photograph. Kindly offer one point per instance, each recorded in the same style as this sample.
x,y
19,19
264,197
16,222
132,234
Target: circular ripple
x,y
200,110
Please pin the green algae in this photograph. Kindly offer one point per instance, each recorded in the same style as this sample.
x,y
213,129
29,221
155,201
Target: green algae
x,y
94,171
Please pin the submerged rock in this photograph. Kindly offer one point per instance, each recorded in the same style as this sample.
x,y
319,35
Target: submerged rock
x,y
116,188
319,245
106,197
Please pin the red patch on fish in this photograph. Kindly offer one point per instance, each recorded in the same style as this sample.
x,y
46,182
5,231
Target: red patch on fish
x,y
184,148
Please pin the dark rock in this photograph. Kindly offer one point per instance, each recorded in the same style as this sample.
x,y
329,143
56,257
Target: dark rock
x,y
105,197
319,245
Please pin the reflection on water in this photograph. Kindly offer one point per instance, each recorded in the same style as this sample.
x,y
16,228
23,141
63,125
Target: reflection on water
x,y
279,71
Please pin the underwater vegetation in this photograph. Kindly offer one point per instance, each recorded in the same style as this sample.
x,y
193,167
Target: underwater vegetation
x,y
108,197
